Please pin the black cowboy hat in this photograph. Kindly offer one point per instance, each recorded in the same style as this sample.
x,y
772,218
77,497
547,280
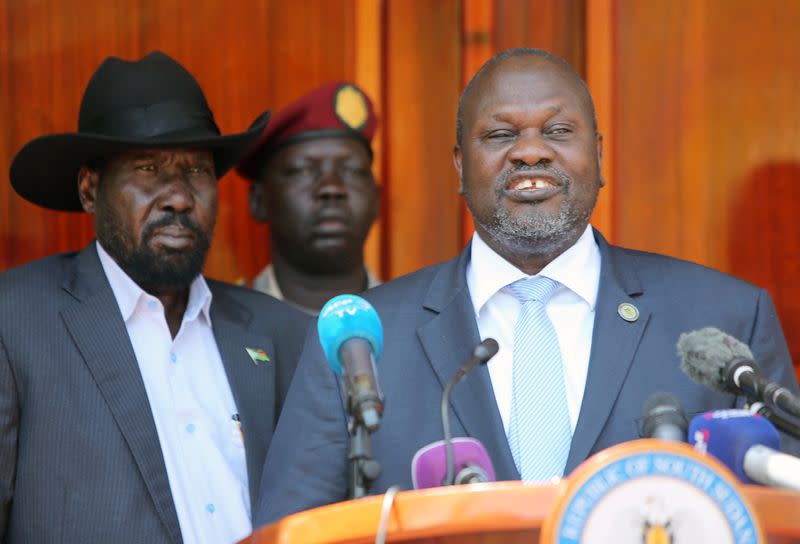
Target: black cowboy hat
x,y
153,102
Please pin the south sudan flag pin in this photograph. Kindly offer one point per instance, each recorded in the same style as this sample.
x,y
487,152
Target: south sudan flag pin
x,y
257,355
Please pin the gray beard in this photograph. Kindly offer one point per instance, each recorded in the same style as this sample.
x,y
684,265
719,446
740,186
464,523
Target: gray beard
x,y
537,233
542,234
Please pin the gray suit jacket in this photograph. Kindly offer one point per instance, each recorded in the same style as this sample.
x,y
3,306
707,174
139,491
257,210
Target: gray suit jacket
x,y
430,330
80,459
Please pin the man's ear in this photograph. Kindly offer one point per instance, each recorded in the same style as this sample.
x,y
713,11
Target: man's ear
x,y
257,199
599,144
457,164
88,181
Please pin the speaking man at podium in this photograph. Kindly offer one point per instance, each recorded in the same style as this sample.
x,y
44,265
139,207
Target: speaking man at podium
x,y
587,330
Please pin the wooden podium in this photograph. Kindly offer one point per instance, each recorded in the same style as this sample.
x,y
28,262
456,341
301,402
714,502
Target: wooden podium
x,y
507,512
515,512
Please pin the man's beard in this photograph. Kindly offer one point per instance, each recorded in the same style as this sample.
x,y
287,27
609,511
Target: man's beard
x,y
153,270
541,233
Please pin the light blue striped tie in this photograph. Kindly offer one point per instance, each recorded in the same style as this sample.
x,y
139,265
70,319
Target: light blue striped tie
x,y
539,433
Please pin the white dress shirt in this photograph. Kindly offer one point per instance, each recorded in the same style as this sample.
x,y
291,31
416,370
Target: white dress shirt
x,y
193,409
571,309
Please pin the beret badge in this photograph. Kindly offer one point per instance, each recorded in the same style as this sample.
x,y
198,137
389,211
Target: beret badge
x,y
350,107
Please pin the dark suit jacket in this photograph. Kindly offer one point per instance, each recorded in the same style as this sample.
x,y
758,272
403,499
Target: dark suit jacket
x,y
80,459
429,331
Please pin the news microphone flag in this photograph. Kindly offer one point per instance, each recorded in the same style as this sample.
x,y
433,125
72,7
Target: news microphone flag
x,y
347,317
729,434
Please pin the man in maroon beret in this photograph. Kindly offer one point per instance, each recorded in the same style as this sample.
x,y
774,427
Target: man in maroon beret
x,y
313,183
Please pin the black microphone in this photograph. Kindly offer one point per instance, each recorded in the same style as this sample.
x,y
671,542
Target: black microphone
x,y
664,419
480,355
723,363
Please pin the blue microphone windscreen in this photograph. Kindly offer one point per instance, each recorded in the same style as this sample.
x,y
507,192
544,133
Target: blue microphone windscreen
x,y
728,434
343,318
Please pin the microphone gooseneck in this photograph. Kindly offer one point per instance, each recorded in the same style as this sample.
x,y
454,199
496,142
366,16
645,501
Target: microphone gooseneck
x,y
480,355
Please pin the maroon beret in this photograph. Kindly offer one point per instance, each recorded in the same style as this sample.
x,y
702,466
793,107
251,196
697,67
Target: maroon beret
x,y
337,108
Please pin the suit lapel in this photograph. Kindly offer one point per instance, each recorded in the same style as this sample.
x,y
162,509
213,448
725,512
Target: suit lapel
x,y
252,384
448,339
614,344
97,328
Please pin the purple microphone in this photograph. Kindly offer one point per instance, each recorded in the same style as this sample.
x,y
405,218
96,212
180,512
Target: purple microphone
x,y
429,466
462,460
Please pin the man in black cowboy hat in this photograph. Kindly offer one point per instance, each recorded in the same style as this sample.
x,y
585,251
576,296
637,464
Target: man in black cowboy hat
x,y
137,399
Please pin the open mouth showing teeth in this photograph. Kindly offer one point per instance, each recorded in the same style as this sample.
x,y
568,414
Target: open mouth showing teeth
x,y
528,184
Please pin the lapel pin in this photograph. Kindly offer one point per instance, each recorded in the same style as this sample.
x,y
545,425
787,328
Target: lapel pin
x,y
257,355
628,312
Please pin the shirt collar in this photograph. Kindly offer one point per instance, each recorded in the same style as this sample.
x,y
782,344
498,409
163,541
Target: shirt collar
x,y
577,269
129,294
266,282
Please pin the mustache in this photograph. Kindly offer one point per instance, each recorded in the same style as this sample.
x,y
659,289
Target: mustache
x,y
173,219
535,169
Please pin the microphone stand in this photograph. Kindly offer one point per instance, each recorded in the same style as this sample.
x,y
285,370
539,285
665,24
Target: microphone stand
x,y
448,438
480,355
363,467
364,412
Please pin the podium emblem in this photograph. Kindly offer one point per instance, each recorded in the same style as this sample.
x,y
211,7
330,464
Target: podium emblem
x,y
653,492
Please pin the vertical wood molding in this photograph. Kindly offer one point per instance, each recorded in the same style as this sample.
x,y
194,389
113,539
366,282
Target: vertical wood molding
x,y
369,74
600,73
423,76
477,39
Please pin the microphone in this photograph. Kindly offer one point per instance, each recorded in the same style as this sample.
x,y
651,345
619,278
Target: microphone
x,y
351,336
429,465
724,364
664,419
747,445
435,464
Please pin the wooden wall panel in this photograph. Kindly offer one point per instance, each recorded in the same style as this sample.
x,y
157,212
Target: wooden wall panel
x,y
707,140
423,83
50,50
554,25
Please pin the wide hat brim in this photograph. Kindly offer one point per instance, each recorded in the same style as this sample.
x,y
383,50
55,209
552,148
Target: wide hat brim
x,y
45,171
